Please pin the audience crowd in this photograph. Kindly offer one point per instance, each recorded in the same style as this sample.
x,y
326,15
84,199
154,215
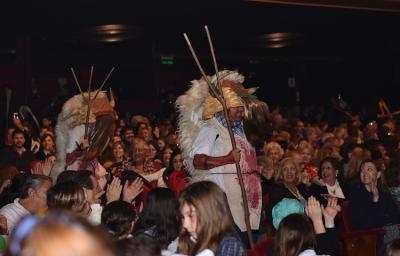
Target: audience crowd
x,y
316,176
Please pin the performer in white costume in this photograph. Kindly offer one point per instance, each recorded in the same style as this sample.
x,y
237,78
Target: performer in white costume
x,y
206,143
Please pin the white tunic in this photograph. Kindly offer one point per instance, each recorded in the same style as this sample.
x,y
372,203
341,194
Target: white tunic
x,y
213,140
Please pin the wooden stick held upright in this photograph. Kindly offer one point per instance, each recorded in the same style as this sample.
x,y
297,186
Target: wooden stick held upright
x,y
232,137
89,103
77,83
104,82
219,97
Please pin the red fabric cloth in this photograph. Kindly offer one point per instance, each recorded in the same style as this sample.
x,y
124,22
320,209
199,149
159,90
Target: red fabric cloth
x,y
178,181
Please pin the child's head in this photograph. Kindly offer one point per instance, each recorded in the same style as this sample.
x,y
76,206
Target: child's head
x,y
119,217
205,216
160,212
294,235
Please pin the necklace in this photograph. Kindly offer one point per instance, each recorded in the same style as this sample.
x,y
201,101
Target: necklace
x,y
294,191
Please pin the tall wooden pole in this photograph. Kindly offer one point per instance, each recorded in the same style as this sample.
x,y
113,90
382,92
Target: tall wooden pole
x,y
220,97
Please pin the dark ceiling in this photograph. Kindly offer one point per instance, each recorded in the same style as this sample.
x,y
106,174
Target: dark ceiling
x,y
236,26
337,47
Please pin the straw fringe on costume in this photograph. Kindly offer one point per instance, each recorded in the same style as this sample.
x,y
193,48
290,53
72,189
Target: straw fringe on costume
x,y
73,114
191,107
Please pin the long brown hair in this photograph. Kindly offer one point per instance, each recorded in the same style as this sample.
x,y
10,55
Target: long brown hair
x,y
294,235
213,217
119,143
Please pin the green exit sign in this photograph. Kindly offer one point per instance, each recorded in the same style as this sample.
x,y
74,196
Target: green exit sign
x,y
167,60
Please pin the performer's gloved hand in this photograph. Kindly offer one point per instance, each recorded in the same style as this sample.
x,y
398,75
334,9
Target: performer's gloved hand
x,y
85,143
235,155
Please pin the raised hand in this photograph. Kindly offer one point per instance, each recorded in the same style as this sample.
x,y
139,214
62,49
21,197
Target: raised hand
x,y
375,191
330,212
113,192
102,181
44,167
130,192
314,210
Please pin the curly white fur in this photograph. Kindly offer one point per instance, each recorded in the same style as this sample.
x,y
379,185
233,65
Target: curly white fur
x,y
190,107
65,122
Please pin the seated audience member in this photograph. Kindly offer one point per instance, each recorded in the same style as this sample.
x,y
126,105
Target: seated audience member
x,y
175,175
287,183
120,159
17,155
207,223
166,155
119,218
161,146
158,220
128,136
59,233
47,147
152,171
68,196
154,152
369,205
307,152
297,235
330,173
392,178
274,152
266,172
32,200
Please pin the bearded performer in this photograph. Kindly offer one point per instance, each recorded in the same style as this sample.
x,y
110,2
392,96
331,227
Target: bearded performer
x,y
97,117
206,144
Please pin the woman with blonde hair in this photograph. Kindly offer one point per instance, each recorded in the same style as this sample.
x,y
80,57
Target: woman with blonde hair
x,y
207,222
307,151
288,183
273,151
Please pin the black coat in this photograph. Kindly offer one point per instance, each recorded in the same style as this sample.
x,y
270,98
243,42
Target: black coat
x,y
316,191
279,191
364,213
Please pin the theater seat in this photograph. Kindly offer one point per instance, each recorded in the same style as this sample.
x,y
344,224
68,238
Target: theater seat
x,y
261,247
357,242
268,221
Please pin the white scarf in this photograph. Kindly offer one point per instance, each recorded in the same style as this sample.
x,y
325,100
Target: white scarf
x,y
335,190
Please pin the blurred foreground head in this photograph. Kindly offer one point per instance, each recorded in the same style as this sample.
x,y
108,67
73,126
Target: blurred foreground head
x,y
60,233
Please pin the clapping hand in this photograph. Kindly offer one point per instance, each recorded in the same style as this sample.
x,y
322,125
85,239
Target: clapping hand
x,y
314,211
114,190
45,167
375,191
131,191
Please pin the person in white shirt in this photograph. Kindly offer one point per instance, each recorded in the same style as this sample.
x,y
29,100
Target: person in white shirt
x,y
33,199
